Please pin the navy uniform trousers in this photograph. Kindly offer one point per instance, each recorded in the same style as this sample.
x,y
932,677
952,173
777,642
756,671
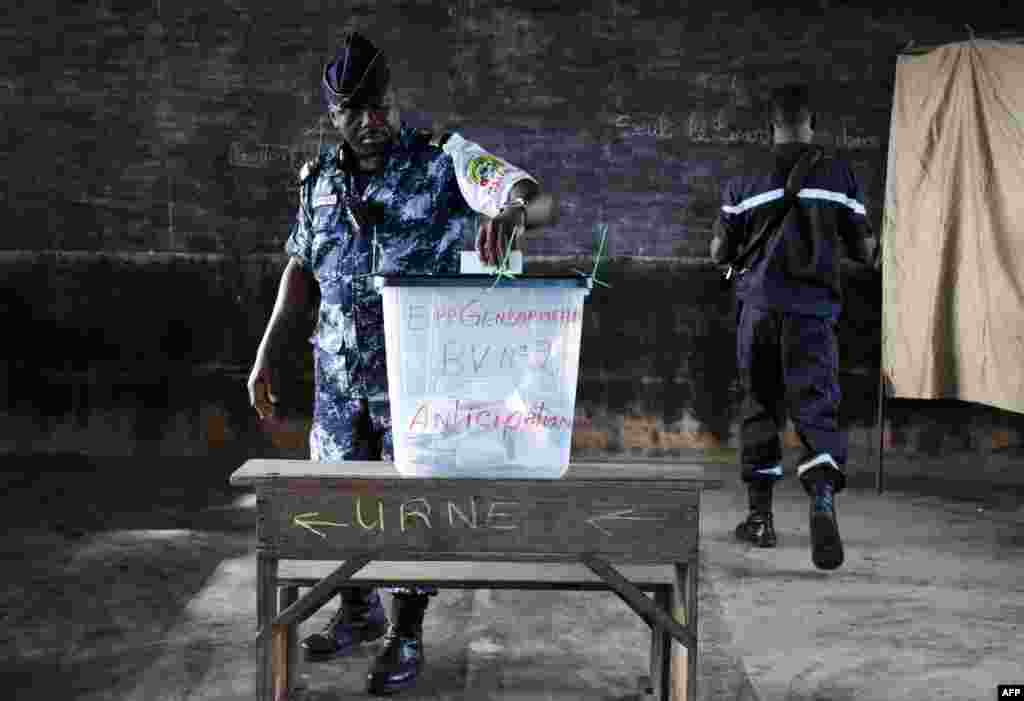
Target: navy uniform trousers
x,y
358,431
789,364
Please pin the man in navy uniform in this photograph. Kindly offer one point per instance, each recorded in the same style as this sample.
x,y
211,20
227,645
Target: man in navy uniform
x,y
790,299
385,200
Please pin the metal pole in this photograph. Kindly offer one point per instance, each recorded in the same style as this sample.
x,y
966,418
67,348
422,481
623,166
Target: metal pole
x,y
879,473
880,429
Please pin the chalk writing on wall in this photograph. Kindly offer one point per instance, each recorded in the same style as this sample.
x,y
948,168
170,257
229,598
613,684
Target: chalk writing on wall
x,y
715,130
860,142
720,82
246,155
850,140
478,514
721,128
660,127
699,128
262,155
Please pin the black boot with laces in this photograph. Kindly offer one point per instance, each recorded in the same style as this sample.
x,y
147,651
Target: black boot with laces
x,y
360,618
826,545
398,664
757,529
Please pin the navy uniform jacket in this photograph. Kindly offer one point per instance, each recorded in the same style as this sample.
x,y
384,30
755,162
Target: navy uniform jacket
x,y
799,271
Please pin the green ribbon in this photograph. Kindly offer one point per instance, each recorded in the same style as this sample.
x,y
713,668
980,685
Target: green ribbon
x,y
597,259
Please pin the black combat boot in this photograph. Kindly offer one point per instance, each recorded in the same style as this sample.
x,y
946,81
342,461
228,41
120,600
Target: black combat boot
x,y
360,618
826,545
399,663
757,528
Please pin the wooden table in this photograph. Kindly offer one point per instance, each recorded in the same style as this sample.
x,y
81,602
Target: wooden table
x,y
623,527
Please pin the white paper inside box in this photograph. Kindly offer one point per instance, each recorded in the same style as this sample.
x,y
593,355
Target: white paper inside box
x,y
482,381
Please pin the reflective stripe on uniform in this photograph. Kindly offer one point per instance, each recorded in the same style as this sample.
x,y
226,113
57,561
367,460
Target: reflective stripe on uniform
x,y
822,459
815,194
755,201
805,193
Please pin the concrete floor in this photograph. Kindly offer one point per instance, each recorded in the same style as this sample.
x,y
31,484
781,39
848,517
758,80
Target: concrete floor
x,y
120,585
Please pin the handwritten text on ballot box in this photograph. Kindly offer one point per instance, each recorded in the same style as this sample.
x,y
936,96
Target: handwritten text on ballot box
x,y
482,377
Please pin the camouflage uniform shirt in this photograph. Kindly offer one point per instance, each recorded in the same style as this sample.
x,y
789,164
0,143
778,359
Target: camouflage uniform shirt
x,y
420,217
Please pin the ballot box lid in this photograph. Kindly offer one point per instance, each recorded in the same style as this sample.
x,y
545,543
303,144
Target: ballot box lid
x,y
520,281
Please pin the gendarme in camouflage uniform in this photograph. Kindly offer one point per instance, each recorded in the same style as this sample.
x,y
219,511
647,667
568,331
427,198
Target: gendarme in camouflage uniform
x,y
388,201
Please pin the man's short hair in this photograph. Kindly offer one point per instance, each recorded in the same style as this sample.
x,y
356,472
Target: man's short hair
x,y
791,105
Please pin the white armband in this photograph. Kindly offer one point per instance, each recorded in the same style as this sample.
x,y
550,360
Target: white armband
x,y
485,180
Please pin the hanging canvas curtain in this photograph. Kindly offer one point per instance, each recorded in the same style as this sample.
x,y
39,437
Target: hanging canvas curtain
x,y
953,233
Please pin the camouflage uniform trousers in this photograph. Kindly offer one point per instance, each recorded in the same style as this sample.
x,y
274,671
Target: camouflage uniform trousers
x,y
348,427
789,363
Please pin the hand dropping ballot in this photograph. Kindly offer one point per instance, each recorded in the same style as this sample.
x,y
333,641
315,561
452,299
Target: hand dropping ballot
x,y
482,381
485,181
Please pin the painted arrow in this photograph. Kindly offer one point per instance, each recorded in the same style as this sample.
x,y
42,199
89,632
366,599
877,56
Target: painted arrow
x,y
620,516
307,521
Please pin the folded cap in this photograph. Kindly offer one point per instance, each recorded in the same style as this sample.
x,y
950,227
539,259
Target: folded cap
x,y
358,72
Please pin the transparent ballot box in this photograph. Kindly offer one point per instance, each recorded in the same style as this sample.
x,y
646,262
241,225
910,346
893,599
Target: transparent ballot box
x,y
482,377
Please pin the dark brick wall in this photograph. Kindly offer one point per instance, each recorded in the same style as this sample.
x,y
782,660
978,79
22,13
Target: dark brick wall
x,y
176,128
178,125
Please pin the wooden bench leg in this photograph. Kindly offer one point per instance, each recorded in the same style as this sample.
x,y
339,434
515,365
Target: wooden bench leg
x,y
684,661
279,663
661,649
289,595
693,611
266,603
